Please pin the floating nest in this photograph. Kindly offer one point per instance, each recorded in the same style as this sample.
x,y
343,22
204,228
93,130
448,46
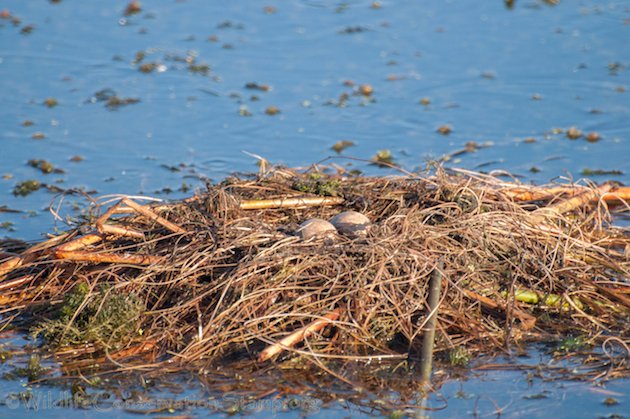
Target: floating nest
x,y
226,279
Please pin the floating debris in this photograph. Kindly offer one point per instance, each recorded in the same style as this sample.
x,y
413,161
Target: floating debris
x,y
425,101
257,86
366,90
27,29
44,166
38,135
272,110
134,7
444,130
341,145
244,111
50,102
593,137
573,133
601,172
383,158
77,158
148,67
27,123
26,187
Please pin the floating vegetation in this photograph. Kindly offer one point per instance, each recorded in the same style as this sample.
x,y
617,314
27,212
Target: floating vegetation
x,y
6,225
227,280
272,110
133,7
38,135
44,166
601,172
148,67
444,129
459,356
203,68
366,89
573,133
243,110
383,158
26,187
111,99
341,145
50,102
425,101
27,29
593,137
257,86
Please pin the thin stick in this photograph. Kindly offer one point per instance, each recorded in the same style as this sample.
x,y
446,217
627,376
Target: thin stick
x,y
147,212
299,335
428,339
306,201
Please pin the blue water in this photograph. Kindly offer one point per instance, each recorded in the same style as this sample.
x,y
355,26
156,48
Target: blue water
x,y
495,75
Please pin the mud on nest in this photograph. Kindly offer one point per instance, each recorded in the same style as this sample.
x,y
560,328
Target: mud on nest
x,y
233,281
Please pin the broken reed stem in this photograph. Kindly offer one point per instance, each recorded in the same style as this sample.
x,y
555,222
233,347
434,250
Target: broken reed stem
x,y
299,335
147,212
105,257
428,338
301,202
616,193
578,200
527,320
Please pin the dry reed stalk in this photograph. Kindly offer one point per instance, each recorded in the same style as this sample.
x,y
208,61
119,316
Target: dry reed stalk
x,y
301,202
104,257
112,229
147,212
527,320
533,193
299,335
10,264
577,201
428,339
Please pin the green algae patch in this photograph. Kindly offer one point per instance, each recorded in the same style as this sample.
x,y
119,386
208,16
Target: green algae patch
x,y
108,317
318,185
26,187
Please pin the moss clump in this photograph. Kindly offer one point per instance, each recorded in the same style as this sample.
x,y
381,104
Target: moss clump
x,y
318,185
107,317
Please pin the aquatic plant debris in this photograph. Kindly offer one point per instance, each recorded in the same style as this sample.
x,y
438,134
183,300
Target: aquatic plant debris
x,y
223,278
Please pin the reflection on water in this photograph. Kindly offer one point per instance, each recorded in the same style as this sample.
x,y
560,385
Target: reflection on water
x,y
506,77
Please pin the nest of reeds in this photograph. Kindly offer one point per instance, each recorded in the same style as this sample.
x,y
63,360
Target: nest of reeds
x,y
225,275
